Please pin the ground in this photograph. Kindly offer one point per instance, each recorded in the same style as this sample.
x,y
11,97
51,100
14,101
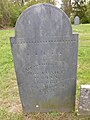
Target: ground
x,y
10,105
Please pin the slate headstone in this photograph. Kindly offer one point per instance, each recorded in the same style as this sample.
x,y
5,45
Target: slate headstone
x,y
76,20
45,58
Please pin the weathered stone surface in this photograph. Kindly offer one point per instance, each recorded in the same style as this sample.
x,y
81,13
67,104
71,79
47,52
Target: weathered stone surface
x,y
84,101
45,57
76,20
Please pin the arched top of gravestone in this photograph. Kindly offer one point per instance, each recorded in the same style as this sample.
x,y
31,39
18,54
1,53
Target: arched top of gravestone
x,y
77,17
42,20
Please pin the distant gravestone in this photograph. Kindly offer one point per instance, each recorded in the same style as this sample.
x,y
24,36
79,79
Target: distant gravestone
x,y
45,57
76,20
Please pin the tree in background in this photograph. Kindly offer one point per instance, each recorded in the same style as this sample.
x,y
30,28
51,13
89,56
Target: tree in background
x,y
34,1
44,1
87,14
66,7
79,9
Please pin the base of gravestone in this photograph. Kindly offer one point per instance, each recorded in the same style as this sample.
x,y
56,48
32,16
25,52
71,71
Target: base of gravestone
x,y
84,101
51,116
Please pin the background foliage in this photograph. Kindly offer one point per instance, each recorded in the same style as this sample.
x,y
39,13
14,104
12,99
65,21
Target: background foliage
x,y
79,9
11,9
67,7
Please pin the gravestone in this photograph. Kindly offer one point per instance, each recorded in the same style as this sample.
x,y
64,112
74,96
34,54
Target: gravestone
x,y
76,20
45,58
84,101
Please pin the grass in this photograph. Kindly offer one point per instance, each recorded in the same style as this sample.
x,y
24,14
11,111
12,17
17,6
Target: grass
x,y
10,107
83,76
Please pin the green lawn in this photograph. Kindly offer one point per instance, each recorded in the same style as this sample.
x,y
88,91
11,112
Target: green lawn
x,y
10,107
83,76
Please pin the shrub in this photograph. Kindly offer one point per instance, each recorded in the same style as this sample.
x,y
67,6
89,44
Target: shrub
x,y
14,11
4,13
